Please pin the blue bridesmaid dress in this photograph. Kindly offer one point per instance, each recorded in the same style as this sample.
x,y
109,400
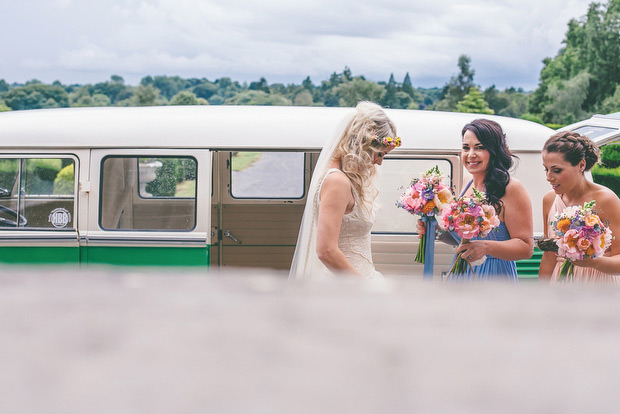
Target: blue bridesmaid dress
x,y
492,268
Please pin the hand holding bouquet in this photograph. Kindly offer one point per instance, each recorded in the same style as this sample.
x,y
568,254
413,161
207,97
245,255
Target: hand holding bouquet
x,y
426,197
469,217
580,234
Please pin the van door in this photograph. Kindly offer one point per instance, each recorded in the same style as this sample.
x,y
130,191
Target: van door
x,y
39,207
260,200
149,207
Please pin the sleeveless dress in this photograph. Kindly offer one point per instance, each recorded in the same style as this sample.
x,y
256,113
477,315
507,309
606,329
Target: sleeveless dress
x,y
581,274
492,268
354,238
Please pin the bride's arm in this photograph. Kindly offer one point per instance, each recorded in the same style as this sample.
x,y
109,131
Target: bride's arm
x,y
336,198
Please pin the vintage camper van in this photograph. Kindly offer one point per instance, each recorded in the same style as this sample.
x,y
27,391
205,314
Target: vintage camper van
x,y
212,185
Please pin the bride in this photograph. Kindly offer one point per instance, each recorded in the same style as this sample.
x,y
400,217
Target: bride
x,y
340,211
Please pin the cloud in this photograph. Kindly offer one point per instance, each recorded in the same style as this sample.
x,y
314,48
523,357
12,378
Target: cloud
x,y
287,41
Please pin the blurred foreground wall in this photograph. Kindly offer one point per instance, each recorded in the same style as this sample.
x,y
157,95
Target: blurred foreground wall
x,y
110,341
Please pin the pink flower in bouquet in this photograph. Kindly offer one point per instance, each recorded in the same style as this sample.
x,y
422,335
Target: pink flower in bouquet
x,y
491,216
469,217
425,197
592,220
466,225
580,233
409,198
583,244
568,245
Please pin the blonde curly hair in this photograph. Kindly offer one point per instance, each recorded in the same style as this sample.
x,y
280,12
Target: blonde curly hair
x,y
356,148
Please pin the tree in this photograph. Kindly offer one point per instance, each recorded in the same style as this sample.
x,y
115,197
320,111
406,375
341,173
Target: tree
x,y
36,96
168,86
496,101
612,103
145,95
474,102
591,46
100,99
307,84
346,74
114,89
226,88
407,87
458,86
204,90
4,87
187,98
403,100
217,100
350,93
303,98
261,85
567,99
257,98
389,99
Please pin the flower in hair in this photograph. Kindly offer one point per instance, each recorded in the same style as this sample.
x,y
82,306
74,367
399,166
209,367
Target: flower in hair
x,y
386,141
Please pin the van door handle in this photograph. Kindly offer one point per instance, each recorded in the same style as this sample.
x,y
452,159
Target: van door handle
x,y
228,234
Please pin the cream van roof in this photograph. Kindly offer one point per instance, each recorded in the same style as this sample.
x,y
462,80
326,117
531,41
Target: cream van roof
x,y
236,127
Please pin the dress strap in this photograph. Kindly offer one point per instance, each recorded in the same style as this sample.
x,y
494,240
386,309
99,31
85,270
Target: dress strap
x,y
328,172
466,187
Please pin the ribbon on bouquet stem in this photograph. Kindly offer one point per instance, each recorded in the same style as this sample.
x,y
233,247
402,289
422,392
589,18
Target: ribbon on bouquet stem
x,y
429,248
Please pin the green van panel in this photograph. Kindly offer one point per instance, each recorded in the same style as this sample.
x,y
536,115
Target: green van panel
x,y
33,255
147,256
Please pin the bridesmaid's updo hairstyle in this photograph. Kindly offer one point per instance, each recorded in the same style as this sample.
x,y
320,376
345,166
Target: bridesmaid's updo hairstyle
x,y
574,147
492,137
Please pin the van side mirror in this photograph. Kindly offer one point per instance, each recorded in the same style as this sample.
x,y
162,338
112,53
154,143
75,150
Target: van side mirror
x,y
4,192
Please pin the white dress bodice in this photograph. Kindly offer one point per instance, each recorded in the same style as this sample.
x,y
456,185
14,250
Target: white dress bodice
x,y
354,239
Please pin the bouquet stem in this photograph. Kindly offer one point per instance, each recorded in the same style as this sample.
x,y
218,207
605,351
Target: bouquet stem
x,y
460,265
567,270
420,256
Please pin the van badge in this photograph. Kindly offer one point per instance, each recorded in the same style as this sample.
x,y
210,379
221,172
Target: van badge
x,y
59,217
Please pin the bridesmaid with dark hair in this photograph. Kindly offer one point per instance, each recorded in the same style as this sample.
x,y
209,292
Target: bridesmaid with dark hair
x,y
566,156
487,158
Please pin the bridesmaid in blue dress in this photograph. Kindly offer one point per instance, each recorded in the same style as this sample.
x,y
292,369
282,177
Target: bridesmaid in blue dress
x,y
487,158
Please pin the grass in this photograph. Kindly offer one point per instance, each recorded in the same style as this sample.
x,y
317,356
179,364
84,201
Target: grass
x,y
186,189
242,160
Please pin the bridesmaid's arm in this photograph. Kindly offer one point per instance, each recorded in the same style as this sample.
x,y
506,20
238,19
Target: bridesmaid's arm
x,y
549,259
336,199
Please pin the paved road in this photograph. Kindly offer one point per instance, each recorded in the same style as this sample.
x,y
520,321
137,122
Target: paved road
x,y
251,342
274,174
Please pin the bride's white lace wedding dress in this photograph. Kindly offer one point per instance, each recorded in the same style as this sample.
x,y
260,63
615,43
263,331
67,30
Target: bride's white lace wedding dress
x,y
354,240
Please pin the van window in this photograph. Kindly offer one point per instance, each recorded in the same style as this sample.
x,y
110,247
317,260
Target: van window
x,y
267,174
394,176
594,132
145,193
37,193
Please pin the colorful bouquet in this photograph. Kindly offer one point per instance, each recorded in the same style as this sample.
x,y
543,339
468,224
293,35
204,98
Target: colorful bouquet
x,y
580,234
469,217
426,197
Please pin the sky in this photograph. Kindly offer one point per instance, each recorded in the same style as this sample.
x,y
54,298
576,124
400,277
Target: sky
x,y
284,41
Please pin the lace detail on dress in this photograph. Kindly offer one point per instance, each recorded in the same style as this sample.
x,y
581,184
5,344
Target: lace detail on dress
x,y
354,239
